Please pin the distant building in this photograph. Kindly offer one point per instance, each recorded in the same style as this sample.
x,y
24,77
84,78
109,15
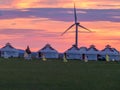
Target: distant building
x,y
72,53
92,53
111,52
9,51
48,52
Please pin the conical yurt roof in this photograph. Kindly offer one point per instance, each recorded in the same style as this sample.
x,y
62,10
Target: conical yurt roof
x,y
83,50
108,50
48,48
8,47
92,50
73,49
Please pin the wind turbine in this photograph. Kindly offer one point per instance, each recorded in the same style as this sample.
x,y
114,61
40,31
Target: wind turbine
x,y
76,24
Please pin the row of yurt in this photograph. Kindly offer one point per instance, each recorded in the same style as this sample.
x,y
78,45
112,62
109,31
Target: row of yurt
x,y
80,53
73,53
92,53
9,51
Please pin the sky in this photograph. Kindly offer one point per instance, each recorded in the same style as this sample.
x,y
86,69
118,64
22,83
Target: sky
x,y
40,22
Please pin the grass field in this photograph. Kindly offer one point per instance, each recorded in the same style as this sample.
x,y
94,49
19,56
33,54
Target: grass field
x,y
18,74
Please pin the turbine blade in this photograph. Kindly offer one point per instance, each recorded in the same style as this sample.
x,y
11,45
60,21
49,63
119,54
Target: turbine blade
x,y
75,14
84,28
67,29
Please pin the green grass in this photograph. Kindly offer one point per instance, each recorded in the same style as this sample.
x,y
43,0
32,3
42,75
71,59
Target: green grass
x,y
18,74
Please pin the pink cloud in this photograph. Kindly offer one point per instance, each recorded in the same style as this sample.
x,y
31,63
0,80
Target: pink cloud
x,y
60,3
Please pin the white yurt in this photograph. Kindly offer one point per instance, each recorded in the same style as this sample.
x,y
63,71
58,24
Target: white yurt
x,y
48,52
83,52
111,52
72,53
9,51
92,53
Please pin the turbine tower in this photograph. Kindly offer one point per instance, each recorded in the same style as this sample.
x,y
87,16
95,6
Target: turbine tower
x,y
76,24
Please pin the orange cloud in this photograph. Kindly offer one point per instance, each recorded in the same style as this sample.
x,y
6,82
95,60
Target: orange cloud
x,y
61,4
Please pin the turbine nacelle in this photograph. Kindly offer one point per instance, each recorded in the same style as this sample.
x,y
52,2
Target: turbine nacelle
x,y
77,23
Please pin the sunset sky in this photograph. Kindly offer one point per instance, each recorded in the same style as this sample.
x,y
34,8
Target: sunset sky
x,y
38,22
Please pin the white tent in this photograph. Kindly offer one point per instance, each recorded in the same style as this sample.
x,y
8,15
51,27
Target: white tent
x,y
92,53
9,51
72,53
111,52
82,52
48,52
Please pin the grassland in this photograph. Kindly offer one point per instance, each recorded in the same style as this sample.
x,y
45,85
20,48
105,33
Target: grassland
x,y
19,74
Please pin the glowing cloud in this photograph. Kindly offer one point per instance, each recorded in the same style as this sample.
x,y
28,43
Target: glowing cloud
x,y
113,4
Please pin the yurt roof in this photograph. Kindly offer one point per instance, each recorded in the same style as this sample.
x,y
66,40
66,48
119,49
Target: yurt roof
x,y
8,46
83,49
72,49
92,50
48,48
109,50
92,47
